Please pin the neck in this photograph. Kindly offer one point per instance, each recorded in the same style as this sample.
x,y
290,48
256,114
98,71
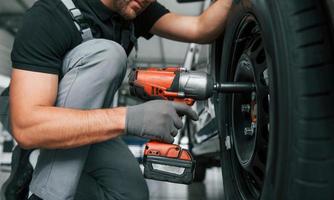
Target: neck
x,y
109,4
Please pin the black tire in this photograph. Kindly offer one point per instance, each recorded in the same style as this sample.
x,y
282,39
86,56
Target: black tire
x,y
298,154
200,172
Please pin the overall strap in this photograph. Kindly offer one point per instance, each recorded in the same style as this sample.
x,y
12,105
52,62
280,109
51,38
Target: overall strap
x,y
128,36
79,21
124,32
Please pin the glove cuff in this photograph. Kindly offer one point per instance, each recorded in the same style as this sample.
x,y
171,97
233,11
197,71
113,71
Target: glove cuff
x,y
133,120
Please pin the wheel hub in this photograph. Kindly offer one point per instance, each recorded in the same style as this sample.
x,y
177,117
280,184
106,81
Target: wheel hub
x,y
247,114
250,112
244,114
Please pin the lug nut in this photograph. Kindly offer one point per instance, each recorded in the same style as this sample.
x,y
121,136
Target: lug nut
x,y
249,131
245,108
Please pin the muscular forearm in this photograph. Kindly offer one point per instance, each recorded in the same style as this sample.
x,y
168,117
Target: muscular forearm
x,y
212,21
54,127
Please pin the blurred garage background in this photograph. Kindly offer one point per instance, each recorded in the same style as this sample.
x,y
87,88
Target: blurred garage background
x,y
155,52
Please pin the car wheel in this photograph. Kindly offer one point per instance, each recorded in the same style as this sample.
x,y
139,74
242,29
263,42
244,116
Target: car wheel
x,y
277,142
200,171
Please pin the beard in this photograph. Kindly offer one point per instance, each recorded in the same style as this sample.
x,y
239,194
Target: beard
x,y
130,9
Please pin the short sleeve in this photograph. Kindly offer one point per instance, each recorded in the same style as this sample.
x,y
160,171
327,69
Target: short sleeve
x,y
145,21
41,42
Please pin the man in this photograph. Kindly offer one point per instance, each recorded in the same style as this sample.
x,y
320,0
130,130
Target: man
x,y
61,82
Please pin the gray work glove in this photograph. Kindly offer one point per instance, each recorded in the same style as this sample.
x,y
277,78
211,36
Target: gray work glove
x,y
158,120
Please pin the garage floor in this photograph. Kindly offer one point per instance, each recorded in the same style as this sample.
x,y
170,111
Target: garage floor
x,y
210,189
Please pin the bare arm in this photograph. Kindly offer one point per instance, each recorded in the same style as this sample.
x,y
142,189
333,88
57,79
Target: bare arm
x,y
199,29
36,123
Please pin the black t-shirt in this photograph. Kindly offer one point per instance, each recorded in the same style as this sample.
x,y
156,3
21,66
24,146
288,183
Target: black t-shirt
x,y
48,32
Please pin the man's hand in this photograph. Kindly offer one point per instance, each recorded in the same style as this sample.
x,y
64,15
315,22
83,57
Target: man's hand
x,y
198,29
157,120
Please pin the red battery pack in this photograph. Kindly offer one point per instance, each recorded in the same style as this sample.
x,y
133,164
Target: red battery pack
x,y
168,162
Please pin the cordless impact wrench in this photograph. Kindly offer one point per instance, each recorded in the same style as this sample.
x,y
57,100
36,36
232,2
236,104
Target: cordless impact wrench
x,y
169,162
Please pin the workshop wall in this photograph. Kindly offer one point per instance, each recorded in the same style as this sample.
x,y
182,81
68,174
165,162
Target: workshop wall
x,y
6,42
158,51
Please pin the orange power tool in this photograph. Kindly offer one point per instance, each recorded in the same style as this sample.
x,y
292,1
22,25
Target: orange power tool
x,y
172,83
177,84
169,162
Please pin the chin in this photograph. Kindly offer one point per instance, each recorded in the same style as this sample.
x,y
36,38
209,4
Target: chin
x,y
132,10
129,16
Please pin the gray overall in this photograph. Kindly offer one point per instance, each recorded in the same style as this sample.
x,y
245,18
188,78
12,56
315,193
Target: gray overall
x,y
93,71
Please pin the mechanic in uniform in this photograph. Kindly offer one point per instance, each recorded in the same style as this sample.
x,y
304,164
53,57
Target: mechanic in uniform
x,y
63,82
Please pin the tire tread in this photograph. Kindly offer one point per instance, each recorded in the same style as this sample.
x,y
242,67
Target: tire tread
x,y
304,10
311,183
312,65
316,94
309,27
311,44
